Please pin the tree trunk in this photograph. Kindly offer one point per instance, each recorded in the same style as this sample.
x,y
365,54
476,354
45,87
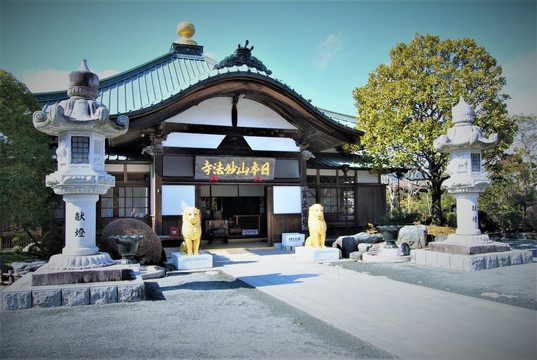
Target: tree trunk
x,y
436,198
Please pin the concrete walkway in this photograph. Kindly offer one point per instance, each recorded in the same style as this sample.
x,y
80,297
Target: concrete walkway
x,y
410,321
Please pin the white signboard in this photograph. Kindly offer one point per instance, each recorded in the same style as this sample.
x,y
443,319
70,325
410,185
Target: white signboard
x,y
287,200
176,198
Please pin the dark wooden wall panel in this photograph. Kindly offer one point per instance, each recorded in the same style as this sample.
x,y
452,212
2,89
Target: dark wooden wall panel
x,y
371,204
285,223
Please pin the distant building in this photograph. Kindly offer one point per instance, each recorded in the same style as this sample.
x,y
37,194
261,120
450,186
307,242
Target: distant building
x,y
232,140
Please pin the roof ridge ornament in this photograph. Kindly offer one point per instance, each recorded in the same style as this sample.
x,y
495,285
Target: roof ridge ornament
x,y
185,30
243,56
185,45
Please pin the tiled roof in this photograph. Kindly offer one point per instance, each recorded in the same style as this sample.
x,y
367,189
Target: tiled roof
x,y
161,79
328,160
342,119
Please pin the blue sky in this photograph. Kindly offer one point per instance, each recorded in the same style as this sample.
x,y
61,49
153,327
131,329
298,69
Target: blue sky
x,y
322,49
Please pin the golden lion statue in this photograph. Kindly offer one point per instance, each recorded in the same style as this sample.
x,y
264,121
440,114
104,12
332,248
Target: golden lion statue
x,y
317,227
191,231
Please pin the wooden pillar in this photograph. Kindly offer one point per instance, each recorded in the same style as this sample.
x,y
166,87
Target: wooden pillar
x,y
155,151
303,167
157,216
269,193
356,202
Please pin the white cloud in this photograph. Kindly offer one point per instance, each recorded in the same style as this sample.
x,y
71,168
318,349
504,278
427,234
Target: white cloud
x,y
521,76
328,49
54,80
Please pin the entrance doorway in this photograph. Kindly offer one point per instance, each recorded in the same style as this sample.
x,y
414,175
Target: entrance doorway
x,y
233,211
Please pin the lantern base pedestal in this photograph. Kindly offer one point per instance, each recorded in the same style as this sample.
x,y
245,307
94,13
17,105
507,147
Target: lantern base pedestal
x,y
79,262
43,277
468,239
468,245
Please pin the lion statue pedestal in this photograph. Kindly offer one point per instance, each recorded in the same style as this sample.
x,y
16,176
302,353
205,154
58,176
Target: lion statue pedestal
x,y
189,256
187,262
315,249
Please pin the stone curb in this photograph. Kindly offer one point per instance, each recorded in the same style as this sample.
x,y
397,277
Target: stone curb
x,y
22,295
471,262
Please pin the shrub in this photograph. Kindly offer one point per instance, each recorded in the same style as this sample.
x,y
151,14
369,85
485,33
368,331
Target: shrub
x,y
17,249
400,217
531,217
21,240
52,242
486,224
149,248
451,220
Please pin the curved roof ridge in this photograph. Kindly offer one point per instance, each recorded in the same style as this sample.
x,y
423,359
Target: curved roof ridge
x,y
342,119
160,79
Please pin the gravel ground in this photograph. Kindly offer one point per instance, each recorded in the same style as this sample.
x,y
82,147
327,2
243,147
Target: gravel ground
x,y
514,285
194,315
209,315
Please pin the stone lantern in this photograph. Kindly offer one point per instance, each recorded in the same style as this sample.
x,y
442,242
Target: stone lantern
x,y
82,126
464,143
468,249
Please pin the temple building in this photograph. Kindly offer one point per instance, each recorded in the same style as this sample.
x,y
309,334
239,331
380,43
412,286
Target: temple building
x,y
229,138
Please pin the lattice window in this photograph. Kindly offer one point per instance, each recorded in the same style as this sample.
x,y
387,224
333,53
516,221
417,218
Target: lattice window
x,y
79,150
133,201
98,147
125,202
476,162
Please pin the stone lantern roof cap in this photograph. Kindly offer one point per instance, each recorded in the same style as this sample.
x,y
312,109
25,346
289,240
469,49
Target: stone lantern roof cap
x,y
81,111
83,82
463,135
462,112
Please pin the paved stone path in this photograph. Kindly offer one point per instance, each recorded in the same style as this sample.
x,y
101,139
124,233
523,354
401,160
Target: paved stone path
x,y
407,320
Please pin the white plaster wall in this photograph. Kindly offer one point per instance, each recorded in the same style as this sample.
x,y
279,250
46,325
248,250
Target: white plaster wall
x,y
138,168
271,144
198,141
365,177
254,114
215,111
176,198
113,167
287,200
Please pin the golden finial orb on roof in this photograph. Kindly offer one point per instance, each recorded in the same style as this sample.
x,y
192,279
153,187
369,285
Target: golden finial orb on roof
x,y
186,30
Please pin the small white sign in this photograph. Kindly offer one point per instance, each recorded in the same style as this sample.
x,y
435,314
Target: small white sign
x,y
292,239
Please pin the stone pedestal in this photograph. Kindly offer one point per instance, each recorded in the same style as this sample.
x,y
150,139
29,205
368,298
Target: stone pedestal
x,y
22,294
78,262
43,276
191,262
468,222
462,248
80,224
306,253
474,262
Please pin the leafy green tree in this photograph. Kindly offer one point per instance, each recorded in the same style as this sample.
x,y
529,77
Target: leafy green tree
x,y
26,156
525,145
407,103
514,180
